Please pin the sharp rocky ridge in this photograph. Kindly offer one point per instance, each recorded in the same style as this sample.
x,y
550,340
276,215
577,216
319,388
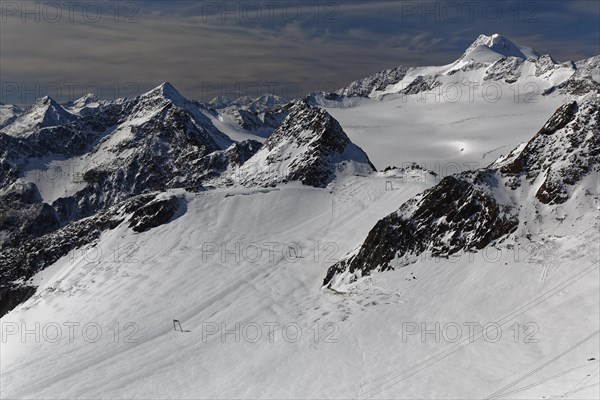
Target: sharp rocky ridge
x,y
488,59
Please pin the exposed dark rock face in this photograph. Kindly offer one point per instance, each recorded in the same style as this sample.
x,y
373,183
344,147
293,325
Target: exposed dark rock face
x,y
379,81
575,86
581,82
545,63
23,216
22,261
453,216
421,84
216,163
12,296
507,69
565,150
154,213
464,212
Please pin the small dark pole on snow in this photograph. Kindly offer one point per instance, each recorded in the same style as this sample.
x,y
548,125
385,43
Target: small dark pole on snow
x,y
176,324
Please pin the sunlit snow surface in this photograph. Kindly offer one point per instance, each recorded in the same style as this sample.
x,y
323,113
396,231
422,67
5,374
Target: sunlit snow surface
x,y
169,273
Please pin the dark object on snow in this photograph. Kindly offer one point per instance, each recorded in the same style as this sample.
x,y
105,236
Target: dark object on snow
x,y
177,324
155,213
12,296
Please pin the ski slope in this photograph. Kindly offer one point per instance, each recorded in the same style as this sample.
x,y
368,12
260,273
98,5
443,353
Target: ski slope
x,y
170,272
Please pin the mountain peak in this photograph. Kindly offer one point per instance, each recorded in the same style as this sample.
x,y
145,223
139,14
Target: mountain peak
x,y
48,107
45,112
166,91
87,98
310,147
44,101
220,101
487,49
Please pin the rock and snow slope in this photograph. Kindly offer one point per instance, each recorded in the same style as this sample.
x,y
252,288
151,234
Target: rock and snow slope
x,y
45,112
310,147
534,190
109,166
172,216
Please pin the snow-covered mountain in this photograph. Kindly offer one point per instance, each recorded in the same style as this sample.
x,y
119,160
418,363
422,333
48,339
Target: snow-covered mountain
x,y
552,178
260,123
45,112
127,215
85,105
75,179
310,147
459,115
488,49
488,58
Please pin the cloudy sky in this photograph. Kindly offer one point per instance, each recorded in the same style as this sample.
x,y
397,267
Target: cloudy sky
x,y
206,48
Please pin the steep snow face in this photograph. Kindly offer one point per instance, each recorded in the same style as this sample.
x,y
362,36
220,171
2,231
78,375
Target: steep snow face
x,y
488,49
44,113
310,146
531,191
